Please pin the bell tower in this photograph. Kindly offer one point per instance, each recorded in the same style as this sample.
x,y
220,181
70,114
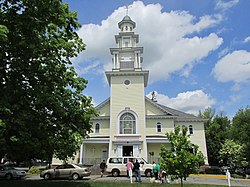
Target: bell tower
x,y
127,80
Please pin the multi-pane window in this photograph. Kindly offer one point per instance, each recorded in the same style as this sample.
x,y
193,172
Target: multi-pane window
x,y
191,130
97,128
158,127
127,124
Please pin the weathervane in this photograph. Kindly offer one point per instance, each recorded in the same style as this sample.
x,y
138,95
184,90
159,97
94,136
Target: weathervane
x,y
127,7
153,96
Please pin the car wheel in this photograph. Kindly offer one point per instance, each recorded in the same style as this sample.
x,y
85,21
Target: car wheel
x,y
148,173
75,176
115,173
46,176
8,176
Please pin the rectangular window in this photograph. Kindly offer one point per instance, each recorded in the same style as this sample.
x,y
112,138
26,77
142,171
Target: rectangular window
x,y
126,42
115,160
158,128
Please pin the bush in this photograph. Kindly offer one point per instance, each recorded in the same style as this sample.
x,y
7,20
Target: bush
x,y
34,170
213,170
238,176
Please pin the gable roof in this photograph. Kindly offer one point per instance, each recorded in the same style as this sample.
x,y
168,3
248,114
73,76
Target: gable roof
x,y
179,115
169,112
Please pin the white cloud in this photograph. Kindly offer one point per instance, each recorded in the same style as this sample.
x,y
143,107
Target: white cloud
x,y
190,102
233,67
163,35
221,4
247,39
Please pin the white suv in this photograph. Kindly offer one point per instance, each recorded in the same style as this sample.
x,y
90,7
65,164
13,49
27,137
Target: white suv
x,y
116,166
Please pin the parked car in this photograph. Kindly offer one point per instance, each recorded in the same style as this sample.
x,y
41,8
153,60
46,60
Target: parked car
x,y
70,171
116,166
9,172
206,169
242,171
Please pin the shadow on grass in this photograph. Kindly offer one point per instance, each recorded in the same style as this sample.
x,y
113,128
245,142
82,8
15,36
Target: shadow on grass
x,y
43,183
80,183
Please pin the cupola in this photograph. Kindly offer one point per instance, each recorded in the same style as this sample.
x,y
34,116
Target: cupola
x,y
126,25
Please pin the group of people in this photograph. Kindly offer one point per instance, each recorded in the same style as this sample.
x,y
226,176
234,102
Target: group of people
x,y
158,172
133,167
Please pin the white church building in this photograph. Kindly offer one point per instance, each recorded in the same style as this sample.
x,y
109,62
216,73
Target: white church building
x,y
129,123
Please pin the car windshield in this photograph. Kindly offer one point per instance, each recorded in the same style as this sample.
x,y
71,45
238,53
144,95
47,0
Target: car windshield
x,y
144,161
76,166
8,167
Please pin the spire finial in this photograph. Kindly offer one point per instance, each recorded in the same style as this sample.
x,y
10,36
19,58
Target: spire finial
x,y
127,7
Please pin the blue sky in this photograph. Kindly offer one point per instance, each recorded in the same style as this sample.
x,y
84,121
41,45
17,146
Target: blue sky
x,y
197,52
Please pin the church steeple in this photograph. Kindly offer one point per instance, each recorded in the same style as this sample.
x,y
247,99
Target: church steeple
x,y
127,56
126,25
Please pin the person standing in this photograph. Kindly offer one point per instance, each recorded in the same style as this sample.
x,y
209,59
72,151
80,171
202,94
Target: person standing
x,y
130,167
102,167
137,171
156,170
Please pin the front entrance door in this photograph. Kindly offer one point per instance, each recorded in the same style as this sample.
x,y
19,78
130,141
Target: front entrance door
x,y
127,151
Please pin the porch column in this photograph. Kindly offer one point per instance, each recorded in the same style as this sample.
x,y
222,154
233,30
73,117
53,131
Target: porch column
x,y
81,156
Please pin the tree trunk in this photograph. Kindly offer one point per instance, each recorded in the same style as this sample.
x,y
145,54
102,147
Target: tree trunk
x,y
181,182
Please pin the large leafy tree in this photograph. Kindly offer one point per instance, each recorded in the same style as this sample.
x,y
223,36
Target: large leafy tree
x,y
240,130
216,130
42,109
183,157
232,154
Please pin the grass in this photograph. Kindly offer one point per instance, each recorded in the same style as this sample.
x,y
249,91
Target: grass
x,y
63,183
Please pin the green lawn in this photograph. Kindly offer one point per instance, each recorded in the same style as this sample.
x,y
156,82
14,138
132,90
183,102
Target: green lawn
x,y
60,183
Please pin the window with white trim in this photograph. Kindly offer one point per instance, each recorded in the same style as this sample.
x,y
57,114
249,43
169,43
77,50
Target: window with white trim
x,y
127,123
158,127
97,128
191,129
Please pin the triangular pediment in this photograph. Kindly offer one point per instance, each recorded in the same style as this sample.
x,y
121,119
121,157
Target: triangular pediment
x,y
104,108
152,108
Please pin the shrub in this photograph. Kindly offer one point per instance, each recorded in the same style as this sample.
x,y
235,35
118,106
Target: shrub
x,y
34,170
213,170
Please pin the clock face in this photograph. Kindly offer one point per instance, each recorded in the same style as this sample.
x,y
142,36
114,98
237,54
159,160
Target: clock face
x,y
127,82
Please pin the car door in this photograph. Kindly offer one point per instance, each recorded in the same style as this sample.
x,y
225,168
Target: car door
x,y
69,169
2,171
58,171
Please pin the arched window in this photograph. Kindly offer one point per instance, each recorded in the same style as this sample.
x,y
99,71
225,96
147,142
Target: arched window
x,y
97,128
191,130
127,124
158,127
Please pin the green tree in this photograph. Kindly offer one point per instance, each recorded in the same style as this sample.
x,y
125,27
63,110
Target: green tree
x,y
3,34
207,114
42,109
240,130
183,158
216,130
232,154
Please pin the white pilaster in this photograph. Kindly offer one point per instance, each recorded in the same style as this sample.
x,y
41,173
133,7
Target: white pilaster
x,y
81,156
